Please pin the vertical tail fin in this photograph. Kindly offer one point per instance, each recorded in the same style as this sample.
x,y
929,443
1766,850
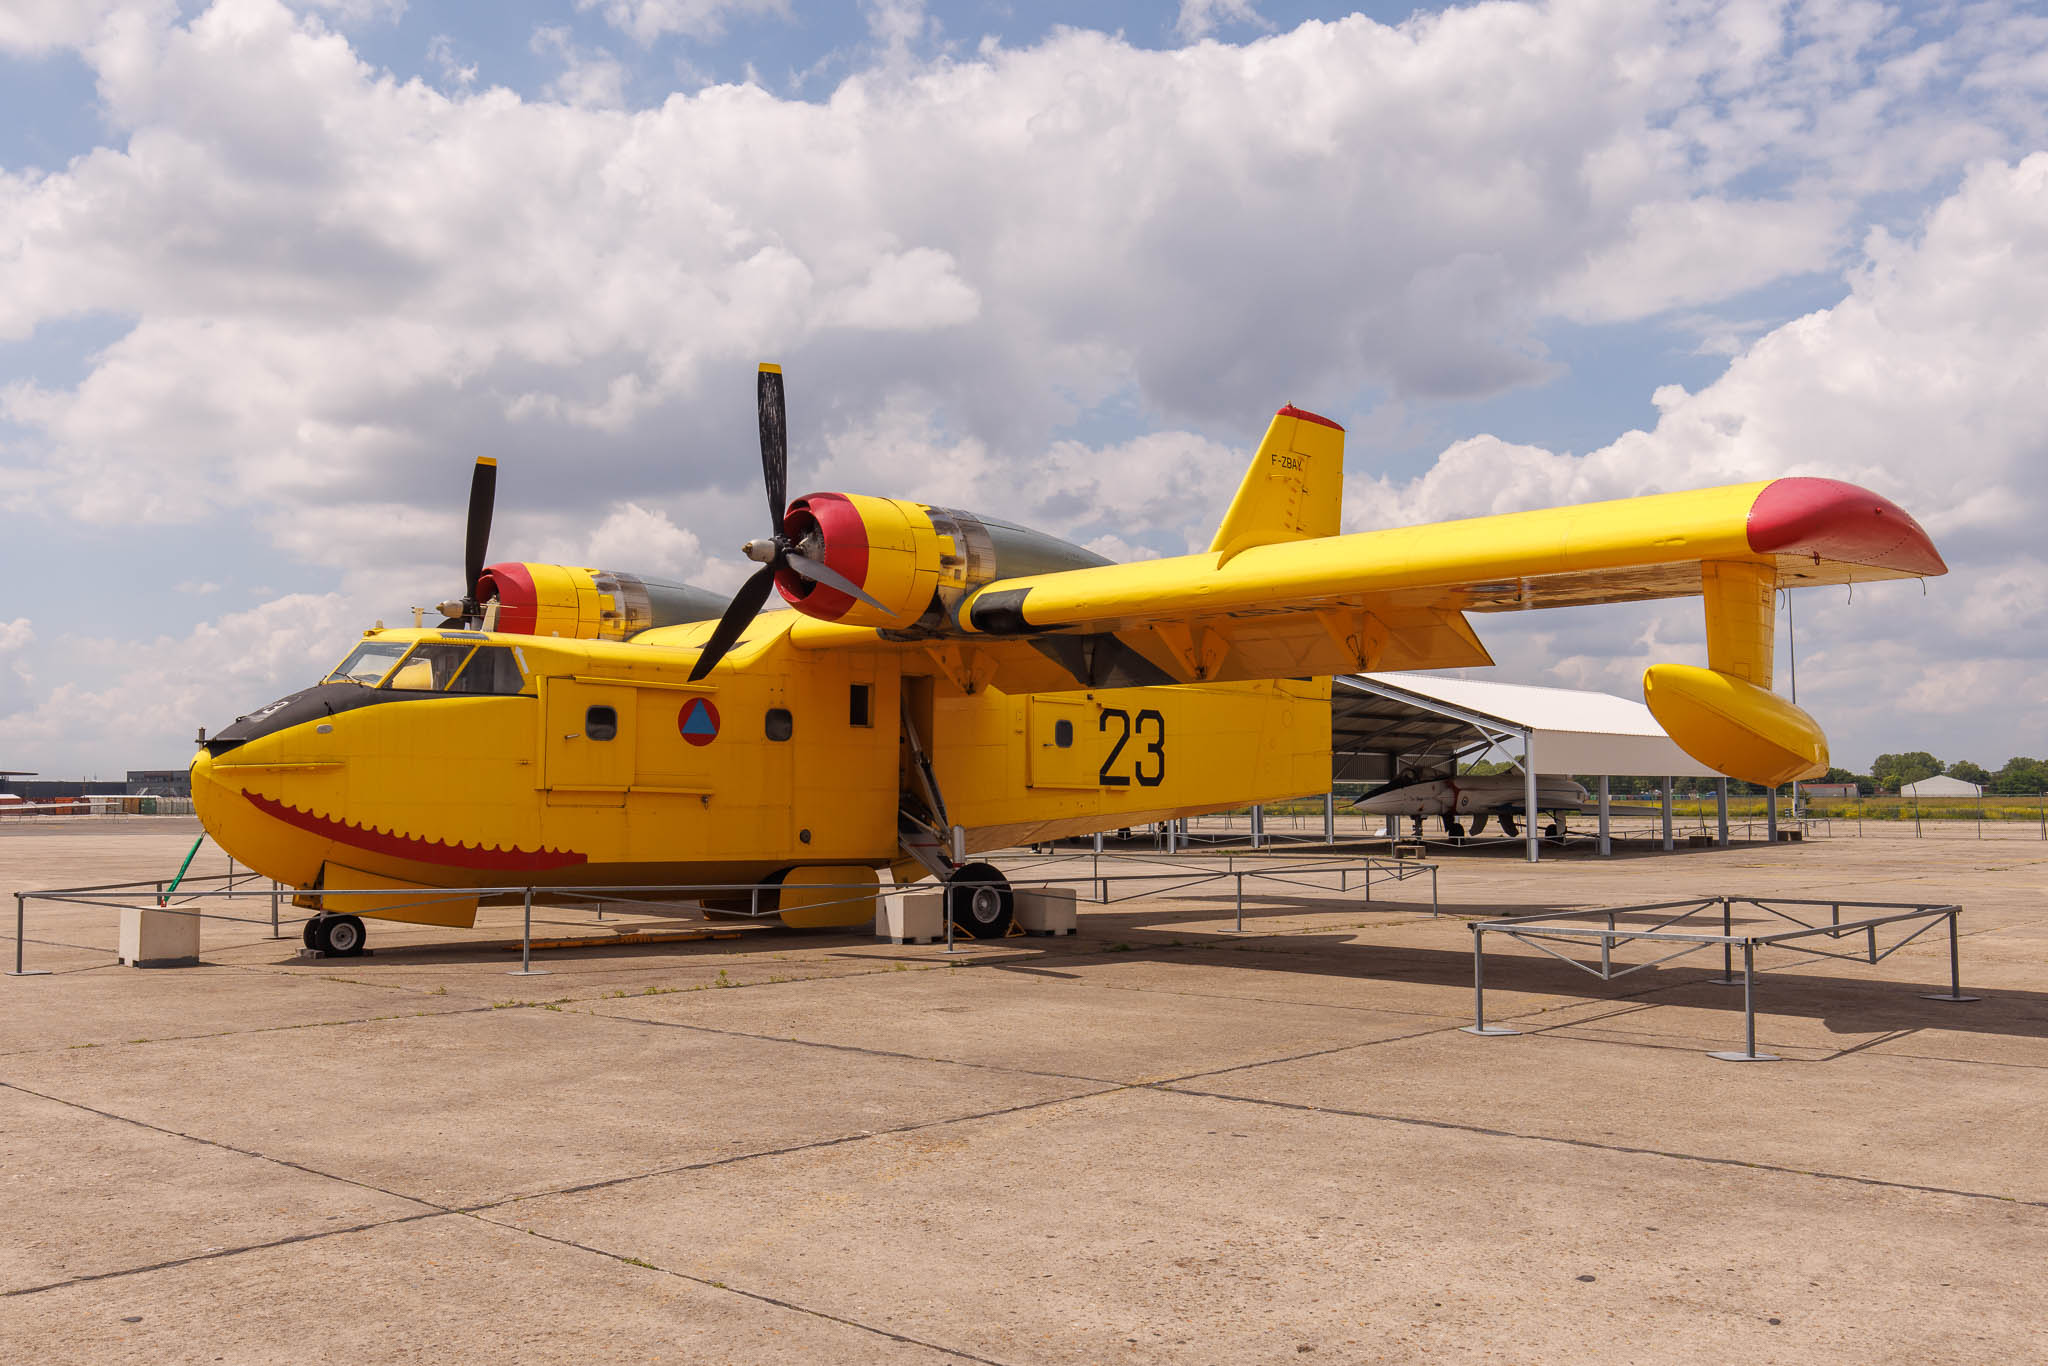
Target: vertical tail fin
x,y
1293,489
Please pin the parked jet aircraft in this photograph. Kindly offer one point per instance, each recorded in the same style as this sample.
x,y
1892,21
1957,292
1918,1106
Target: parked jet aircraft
x,y
1501,796
948,683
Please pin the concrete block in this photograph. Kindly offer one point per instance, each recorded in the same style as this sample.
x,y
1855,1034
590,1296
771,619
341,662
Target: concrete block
x,y
910,917
1408,851
159,939
1047,911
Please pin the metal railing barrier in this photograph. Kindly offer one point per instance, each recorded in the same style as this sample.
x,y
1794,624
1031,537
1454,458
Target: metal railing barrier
x,y
1539,931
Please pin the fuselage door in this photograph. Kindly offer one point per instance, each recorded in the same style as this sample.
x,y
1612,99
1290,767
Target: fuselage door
x,y
1060,743
589,739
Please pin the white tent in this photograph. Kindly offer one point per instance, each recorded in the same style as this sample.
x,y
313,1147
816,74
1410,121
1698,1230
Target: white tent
x,y
1941,785
1379,720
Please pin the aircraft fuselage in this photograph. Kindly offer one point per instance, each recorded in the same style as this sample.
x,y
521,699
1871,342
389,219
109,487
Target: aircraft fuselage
x,y
608,767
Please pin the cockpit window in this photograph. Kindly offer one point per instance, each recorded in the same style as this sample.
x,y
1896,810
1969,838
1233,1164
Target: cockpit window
x,y
492,671
442,666
431,667
369,663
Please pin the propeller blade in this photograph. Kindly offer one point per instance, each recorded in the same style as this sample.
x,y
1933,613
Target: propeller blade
x,y
774,443
483,492
830,577
745,605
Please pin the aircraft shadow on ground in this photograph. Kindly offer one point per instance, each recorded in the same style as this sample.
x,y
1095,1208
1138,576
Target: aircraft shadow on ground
x,y
1788,983
1887,1001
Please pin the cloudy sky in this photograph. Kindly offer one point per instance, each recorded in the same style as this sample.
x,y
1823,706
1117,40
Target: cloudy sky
x,y
272,274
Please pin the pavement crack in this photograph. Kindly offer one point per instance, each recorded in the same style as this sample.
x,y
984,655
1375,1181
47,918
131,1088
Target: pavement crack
x,y
246,1033
857,1049
217,1254
815,1145
759,1297
224,1146
1592,1145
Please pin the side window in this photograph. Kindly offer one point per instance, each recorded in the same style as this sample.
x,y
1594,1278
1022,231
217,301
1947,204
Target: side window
x,y
1063,734
857,706
600,723
781,725
492,671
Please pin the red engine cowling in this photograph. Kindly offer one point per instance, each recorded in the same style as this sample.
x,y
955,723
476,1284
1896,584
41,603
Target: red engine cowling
x,y
918,561
588,604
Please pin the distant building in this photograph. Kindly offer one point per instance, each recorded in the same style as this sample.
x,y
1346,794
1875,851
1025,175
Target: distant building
x,y
141,782
1941,786
44,789
159,782
1828,791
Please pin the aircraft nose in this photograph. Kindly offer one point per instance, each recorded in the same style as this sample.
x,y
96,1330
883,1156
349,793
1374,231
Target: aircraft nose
x,y
221,788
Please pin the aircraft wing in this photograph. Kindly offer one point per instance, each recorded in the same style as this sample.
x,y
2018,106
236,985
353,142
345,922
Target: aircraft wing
x,y
1399,599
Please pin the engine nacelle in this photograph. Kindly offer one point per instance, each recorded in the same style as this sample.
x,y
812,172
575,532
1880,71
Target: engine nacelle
x,y
918,561
589,604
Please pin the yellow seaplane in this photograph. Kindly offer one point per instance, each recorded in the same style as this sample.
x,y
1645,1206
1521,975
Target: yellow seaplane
x,y
946,683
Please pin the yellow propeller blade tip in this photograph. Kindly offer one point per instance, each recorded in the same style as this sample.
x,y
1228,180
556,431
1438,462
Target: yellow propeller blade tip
x,y
487,460
770,369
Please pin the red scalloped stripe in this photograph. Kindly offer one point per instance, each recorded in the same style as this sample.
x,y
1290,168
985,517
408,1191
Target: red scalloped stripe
x,y
414,848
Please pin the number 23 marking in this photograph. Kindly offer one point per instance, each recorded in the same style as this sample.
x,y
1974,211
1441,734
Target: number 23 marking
x,y
1155,747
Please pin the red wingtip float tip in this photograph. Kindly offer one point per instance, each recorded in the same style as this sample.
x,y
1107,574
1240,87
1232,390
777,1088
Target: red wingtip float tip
x,y
1306,416
1839,521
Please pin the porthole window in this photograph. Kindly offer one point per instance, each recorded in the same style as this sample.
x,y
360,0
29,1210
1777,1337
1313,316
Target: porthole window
x,y
1063,734
857,706
781,725
600,723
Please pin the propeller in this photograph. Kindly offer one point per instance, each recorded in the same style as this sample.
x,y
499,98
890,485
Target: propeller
x,y
776,551
483,493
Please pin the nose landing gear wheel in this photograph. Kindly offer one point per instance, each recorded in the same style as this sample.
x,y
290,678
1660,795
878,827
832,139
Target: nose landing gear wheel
x,y
979,902
338,936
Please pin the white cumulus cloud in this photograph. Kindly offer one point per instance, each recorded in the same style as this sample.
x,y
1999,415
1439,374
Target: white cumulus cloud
x,y
1062,282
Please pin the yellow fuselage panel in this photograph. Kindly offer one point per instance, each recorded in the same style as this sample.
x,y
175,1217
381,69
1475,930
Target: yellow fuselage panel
x,y
1131,755
591,776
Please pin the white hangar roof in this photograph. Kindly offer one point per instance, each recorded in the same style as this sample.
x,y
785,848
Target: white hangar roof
x,y
1568,731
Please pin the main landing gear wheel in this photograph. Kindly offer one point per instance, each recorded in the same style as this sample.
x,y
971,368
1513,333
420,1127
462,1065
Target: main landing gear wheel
x,y
338,936
979,901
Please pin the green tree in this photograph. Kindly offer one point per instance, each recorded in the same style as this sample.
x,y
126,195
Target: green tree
x,y
1864,784
1969,772
1894,771
2021,777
